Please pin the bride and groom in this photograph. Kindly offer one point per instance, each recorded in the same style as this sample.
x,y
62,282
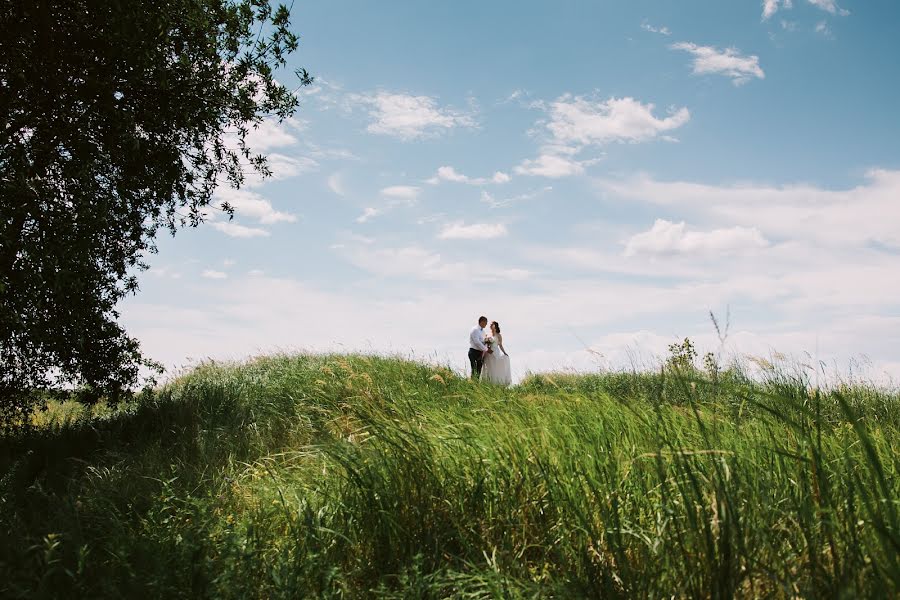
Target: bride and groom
x,y
487,356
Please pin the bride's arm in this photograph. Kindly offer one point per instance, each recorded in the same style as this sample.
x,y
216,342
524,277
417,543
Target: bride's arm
x,y
500,343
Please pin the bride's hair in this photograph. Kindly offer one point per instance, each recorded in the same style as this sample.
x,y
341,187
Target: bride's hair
x,y
496,326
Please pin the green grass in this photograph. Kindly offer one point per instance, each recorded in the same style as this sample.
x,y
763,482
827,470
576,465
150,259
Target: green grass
x,y
357,477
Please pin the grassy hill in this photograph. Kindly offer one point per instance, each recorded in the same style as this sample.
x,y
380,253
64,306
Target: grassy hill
x,y
350,476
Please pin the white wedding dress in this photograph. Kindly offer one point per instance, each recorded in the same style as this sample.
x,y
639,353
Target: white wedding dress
x,y
496,366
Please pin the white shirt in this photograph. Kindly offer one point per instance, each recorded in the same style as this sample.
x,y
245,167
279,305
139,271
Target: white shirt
x,y
476,339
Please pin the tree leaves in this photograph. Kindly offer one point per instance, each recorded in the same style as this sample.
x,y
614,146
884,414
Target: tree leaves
x,y
115,118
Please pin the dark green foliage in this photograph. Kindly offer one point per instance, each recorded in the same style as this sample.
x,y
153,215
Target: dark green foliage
x,y
118,119
351,477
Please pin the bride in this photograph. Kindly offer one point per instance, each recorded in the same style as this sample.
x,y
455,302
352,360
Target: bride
x,y
496,363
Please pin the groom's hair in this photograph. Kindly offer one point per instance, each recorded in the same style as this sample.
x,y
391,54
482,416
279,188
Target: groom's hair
x,y
482,319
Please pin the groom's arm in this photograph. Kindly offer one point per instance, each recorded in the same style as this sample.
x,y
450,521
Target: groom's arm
x,y
476,341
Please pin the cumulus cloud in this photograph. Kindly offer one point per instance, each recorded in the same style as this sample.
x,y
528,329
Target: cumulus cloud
x,y
660,30
728,62
405,193
211,274
368,214
829,6
245,316
270,134
860,215
163,272
415,262
447,173
409,117
252,205
475,231
581,121
239,231
283,166
396,196
816,284
770,7
823,28
336,184
575,122
550,165
666,237
277,141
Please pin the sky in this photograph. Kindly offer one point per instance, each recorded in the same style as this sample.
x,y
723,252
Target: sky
x,y
599,177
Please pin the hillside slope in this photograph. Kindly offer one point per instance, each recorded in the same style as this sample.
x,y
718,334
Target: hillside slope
x,y
351,476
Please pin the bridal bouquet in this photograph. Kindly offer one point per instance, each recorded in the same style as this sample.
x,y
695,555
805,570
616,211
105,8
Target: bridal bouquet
x,y
489,342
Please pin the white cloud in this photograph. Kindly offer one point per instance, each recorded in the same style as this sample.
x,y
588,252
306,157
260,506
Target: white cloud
x,y
770,7
447,173
397,195
728,62
860,215
368,214
550,165
409,117
284,167
211,274
660,30
575,120
802,275
316,151
247,316
513,96
829,6
270,134
252,205
405,193
475,231
239,231
666,237
415,262
432,218
324,94
349,238
493,202
336,185
823,28
163,272
281,167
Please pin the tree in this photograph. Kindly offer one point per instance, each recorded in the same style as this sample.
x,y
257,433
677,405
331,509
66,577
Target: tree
x,y
119,119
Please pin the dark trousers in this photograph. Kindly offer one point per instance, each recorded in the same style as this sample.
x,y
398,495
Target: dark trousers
x,y
476,359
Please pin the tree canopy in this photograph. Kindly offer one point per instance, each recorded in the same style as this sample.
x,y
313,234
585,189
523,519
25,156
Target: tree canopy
x,y
119,119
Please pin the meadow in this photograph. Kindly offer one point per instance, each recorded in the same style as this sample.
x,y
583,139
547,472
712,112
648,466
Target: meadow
x,y
316,476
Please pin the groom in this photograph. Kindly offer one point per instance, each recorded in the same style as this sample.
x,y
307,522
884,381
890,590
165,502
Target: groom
x,y
477,349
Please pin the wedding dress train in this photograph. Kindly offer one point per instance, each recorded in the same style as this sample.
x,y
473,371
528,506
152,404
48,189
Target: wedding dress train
x,y
497,368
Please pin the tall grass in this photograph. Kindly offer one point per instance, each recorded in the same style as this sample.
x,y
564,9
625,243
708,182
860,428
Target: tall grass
x,y
348,477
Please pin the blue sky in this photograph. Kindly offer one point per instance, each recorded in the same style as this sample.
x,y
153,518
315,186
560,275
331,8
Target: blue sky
x,y
597,177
